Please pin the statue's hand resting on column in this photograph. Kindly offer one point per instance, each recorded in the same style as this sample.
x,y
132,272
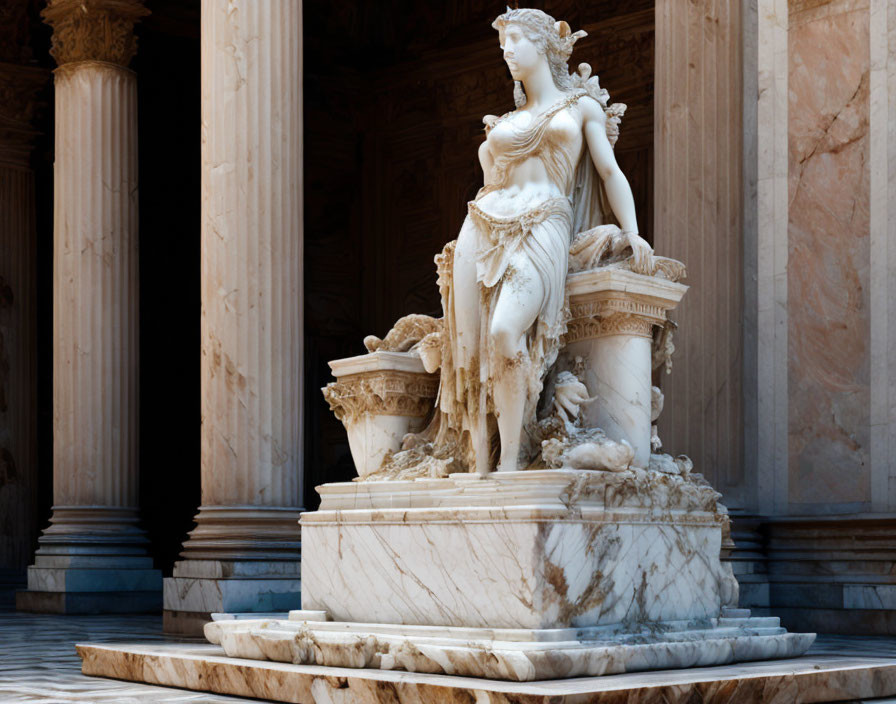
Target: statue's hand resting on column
x,y
642,254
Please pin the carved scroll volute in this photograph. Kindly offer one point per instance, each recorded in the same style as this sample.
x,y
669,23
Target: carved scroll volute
x,y
94,30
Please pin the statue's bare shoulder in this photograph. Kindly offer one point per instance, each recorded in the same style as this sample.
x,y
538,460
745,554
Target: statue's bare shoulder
x,y
592,111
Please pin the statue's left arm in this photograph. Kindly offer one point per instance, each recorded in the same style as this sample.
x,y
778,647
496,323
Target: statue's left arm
x,y
616,185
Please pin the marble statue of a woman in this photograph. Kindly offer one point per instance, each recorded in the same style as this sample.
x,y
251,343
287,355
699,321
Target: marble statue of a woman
x,y
549,173
555,313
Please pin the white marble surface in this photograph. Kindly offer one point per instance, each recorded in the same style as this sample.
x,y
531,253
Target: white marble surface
x,y
513,654
818,678
377,362
380,397
649,288
618,378
38,664
372,436
555,490
203,596
536,549
836,673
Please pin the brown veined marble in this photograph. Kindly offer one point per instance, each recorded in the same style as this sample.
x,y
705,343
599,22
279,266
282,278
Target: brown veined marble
x,y
819,678
829,253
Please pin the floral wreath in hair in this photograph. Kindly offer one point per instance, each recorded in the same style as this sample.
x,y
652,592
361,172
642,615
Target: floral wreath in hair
x,y
556,40
558,36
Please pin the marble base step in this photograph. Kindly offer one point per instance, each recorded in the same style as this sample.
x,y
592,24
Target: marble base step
x,y
201,667
509,654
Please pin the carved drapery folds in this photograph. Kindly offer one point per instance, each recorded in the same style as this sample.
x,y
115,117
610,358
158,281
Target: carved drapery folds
x,y
385,393
94,30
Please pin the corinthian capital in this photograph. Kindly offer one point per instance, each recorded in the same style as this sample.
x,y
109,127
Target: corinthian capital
x,y
93,30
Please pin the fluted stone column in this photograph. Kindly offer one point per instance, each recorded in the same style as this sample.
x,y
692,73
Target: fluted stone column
x,y
92,556
19,86
243,554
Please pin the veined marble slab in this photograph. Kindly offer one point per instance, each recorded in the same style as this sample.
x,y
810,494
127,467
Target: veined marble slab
x,y
377,361
533,549
523,655
818,678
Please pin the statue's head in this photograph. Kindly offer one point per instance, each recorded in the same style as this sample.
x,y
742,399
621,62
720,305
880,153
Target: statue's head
x,y
529,37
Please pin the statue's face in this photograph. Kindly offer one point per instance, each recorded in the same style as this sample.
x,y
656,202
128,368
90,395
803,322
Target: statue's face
x,y
521,55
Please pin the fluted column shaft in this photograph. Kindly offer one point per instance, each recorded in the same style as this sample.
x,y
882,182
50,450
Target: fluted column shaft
x,y
251,362
95,287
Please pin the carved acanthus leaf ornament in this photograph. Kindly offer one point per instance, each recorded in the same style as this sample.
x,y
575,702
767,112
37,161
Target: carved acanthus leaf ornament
x,y
592,318
94,30
384,393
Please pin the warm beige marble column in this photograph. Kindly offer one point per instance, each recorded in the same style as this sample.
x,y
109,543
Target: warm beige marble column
x,y
91,556
244,553
698,220
19,86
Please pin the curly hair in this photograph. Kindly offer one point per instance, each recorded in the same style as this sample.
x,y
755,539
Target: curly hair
x,y
552,38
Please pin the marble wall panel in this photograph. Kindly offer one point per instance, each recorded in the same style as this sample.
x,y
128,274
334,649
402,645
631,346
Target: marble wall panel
x,y
828,255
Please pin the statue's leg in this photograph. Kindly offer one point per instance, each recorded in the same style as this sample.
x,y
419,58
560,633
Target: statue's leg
x,y
519,303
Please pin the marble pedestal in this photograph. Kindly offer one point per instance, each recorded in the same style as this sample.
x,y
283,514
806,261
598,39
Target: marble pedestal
x,y
517,575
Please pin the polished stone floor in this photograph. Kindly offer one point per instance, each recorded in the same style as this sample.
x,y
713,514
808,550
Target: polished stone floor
x,y
38,662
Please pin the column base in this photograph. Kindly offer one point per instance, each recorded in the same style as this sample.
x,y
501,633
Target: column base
x,y
92,560
200,588
238,559
121,602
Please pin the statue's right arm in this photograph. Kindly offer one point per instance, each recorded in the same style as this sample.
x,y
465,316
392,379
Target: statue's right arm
x,y
485,159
